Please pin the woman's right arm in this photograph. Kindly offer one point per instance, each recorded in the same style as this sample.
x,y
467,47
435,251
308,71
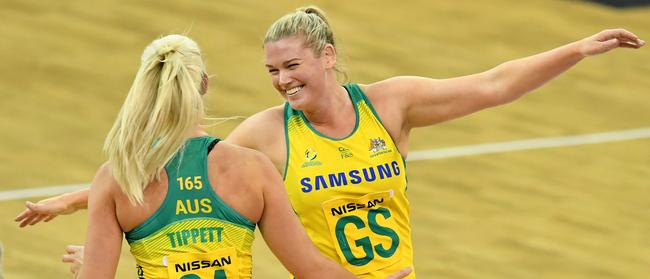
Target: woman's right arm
x,y
264,132
104,235
47,209
282,231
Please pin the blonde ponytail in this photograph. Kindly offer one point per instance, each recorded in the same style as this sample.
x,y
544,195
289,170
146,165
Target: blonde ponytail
x,y
163,106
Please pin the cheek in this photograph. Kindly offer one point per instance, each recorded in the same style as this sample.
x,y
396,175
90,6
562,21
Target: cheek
x,y
275,82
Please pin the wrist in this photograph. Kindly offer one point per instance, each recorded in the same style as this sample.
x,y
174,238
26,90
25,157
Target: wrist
x,y
578,50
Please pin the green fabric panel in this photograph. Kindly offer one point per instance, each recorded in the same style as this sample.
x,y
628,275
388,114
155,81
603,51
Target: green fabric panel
x,y
190,161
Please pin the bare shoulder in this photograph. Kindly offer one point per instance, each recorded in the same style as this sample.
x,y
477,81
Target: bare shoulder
x,y
259,128
238,176
107,186
241,164
230,159
263,132
104,181
396,85
272,115
387,99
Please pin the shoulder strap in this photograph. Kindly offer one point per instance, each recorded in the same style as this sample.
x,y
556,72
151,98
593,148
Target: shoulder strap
x,y
355,92
187,171
357,96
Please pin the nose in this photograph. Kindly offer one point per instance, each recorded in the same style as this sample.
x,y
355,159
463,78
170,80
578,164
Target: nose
x,y
284,78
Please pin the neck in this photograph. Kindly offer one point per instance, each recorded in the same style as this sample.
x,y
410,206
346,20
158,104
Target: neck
x,y
198,131
334,117
331,106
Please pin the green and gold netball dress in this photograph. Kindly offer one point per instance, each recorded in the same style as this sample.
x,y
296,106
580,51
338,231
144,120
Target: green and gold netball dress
x,y
193,234
350,193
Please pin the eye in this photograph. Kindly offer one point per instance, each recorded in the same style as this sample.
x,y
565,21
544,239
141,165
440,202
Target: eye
x,y
292,66
273,72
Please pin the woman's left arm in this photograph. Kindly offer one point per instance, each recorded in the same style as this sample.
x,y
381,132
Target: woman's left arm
x,y
104,236
424,101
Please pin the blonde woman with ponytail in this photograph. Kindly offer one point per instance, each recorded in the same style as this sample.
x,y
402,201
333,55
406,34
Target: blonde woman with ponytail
x,y
186,203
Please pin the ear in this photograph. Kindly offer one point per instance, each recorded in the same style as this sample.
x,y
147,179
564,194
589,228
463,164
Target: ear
x,y
329,54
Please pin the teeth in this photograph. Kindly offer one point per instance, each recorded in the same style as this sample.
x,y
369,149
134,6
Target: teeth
x,y
293,91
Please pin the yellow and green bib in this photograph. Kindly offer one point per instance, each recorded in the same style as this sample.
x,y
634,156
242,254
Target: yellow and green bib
x,y
350,193
194,234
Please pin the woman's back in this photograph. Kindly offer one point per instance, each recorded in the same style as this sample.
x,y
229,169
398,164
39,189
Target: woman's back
x,y
195,207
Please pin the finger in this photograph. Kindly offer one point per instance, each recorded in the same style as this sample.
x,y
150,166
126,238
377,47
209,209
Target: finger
x,y
629,45
400,274
618,33
73,248
632,43
625,45
68,258
626,34
49,217
28,220
23,215
37,219
609,44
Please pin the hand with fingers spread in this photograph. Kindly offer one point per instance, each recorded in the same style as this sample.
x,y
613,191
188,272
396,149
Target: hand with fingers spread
x,y
47,209
607,40
74,255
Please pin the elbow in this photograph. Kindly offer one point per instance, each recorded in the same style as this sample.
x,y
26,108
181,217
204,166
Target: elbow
x,y
495,96
503,98
506,83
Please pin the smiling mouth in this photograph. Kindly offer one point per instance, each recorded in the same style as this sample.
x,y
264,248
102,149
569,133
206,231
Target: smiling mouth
x,y
293,91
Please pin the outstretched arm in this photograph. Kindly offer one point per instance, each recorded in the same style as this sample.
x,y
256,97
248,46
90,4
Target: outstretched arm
x,y
423,101
47,209
104,236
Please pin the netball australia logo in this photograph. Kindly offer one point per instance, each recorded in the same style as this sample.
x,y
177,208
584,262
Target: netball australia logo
x,y
345,152
378,147
310,158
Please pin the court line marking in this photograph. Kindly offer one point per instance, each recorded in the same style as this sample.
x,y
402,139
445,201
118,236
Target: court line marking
x,y
433,154
537,143
40,192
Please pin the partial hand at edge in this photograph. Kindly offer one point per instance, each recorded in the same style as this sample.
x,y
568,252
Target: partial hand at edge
x,y
75,256
401,273
607,40
45,210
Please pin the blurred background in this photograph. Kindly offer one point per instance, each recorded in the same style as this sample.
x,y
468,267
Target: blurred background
x,y
568,212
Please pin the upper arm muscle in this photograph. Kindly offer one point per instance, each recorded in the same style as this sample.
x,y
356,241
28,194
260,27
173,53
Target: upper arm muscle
x,y
104,236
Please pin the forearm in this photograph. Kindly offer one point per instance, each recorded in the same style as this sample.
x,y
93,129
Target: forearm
x,y
296,252
78,199
326,268
515,78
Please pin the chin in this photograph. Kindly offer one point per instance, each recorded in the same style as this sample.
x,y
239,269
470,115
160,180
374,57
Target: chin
x,y
295,105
